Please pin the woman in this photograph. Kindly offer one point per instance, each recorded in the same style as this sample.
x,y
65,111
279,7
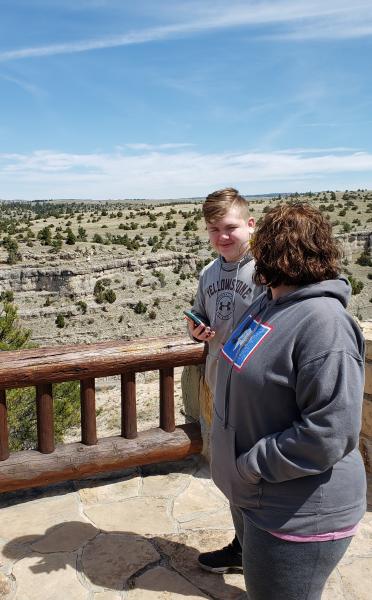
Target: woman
x,y
288,412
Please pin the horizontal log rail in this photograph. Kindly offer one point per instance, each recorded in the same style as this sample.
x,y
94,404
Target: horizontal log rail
x,y
23,368
43,367
29,468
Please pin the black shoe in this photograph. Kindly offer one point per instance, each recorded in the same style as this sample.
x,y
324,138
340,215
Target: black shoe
x,y
222,561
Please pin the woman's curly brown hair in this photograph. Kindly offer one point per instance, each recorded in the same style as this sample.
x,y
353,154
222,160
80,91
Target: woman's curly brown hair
x,y
293,245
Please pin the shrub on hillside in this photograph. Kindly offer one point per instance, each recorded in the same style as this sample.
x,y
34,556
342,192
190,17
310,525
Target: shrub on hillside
x,y
70,237
83,306
60,321
356,285
364,259
103,293
21,402
140,308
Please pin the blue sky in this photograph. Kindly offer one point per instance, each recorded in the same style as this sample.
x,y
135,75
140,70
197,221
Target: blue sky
x,y
167,98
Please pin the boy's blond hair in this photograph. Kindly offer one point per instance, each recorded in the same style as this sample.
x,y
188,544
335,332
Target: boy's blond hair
x,y
218,203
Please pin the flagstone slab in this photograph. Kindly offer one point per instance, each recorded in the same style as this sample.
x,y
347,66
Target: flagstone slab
x,y
111,558
197,498
107,596
5,587
30,519
102,492
356,579
361,545
162,584
333,589
48,578
165,485
221,519
65,537
182,551
212,486
9,553
138,515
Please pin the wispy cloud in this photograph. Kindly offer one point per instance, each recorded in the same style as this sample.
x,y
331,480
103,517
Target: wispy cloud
x,y
25,85
154,174
154,147
336,150
296,20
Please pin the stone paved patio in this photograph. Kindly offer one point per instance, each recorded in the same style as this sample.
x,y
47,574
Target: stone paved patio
x,y
136,537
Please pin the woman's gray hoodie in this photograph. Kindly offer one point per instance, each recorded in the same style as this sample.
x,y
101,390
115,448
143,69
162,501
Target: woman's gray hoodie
x,y
288,412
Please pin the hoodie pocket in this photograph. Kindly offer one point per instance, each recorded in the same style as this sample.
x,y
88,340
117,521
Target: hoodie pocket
x,y
300,496
224,470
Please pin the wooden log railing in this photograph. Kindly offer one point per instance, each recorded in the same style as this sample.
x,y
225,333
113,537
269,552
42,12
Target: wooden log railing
x,y
43,367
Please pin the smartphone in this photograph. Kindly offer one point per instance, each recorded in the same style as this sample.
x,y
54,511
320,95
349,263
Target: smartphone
x,y
193,317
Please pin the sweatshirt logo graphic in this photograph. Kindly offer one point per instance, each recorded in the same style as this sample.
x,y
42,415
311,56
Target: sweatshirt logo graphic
x,y
244,341
224,306
228,284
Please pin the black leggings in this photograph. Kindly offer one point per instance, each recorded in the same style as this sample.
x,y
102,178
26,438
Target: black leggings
x,y
275,569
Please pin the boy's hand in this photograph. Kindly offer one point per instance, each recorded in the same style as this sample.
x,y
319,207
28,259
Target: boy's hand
x,y
200,332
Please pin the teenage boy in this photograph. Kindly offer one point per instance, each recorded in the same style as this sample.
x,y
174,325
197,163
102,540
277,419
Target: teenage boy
x,y
225,291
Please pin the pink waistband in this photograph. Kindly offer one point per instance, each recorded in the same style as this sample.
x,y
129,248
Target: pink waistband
x,y
317,537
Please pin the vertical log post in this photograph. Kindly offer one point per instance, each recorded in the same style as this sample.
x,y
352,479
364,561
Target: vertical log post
x,y
45,420
88,412
167,421
4,442
128,405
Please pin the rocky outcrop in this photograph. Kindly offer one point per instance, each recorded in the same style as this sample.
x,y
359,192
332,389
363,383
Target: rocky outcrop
x,y
355,242
81,276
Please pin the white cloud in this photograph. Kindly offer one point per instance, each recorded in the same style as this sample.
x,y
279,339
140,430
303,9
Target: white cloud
x,y
152,174
156,146
25,85
296,19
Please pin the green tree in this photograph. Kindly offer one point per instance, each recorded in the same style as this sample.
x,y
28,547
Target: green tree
x,y
60,321
110,296
356,285
71,237
102,292
11,246
12,336
21,402
346,227
98,239
83,306
45,236
82,234
364,259
140,308
57,242
7,296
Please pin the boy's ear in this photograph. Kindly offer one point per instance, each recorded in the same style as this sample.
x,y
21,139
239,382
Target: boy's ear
x,y
251,222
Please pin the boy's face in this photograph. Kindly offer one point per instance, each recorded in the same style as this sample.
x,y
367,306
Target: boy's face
x,y
230,235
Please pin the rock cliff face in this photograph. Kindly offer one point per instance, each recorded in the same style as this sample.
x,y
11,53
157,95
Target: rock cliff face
x,y
43,292
80,277
355,242
164,282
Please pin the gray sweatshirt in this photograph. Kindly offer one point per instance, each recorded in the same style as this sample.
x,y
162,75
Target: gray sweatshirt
x,y
288,412
225,291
